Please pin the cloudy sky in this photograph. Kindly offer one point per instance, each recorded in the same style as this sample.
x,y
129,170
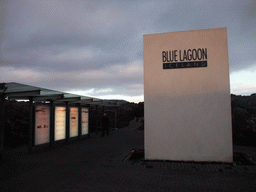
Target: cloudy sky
x,y
95,48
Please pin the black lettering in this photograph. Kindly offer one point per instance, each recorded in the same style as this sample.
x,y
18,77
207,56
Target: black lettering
x,y
171,56
180,56
189,55
204,53
164,56
194,54
168,56
184,55
175,55
199,54
178,65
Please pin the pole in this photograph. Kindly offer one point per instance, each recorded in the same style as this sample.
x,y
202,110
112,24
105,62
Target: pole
x,y
97,120
30,132
89,129
52,123
2,119
79,121
67,121
115,118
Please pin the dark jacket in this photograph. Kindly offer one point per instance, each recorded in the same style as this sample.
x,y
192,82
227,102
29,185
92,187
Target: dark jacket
x,y
105,122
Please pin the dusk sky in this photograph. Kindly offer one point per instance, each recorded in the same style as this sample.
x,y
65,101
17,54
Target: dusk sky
x,y
95,48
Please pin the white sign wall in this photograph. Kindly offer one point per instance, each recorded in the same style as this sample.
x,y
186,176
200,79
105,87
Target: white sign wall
x,y
187,96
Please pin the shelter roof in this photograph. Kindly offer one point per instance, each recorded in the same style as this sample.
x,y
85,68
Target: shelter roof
x,y
24,92
20,91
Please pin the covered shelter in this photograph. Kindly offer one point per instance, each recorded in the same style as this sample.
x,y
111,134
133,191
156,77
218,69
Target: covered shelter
x,y
54,115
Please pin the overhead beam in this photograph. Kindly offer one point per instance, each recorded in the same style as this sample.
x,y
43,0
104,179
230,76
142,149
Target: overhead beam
x,y
69,99
39,98
49,97
83,101
23,93
93,103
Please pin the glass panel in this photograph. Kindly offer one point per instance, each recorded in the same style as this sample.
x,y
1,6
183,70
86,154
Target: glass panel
x,y
73,122
85,121
60,123
42,125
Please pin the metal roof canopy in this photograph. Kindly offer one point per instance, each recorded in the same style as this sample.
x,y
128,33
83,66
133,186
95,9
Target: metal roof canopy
x,y
26,92
20,91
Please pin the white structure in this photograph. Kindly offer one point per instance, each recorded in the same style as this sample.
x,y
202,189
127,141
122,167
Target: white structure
x,y
187,96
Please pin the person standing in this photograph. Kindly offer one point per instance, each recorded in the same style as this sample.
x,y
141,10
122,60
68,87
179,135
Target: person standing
x,y
136,114
105,123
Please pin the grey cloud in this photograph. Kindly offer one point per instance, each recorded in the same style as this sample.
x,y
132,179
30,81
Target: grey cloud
x,y
116,85
63,39
238,17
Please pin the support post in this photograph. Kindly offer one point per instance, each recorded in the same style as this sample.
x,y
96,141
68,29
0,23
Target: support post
x,y
96,119
89,129
103,109
52,123
2,119
115,117
30,132
79,121
67,121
